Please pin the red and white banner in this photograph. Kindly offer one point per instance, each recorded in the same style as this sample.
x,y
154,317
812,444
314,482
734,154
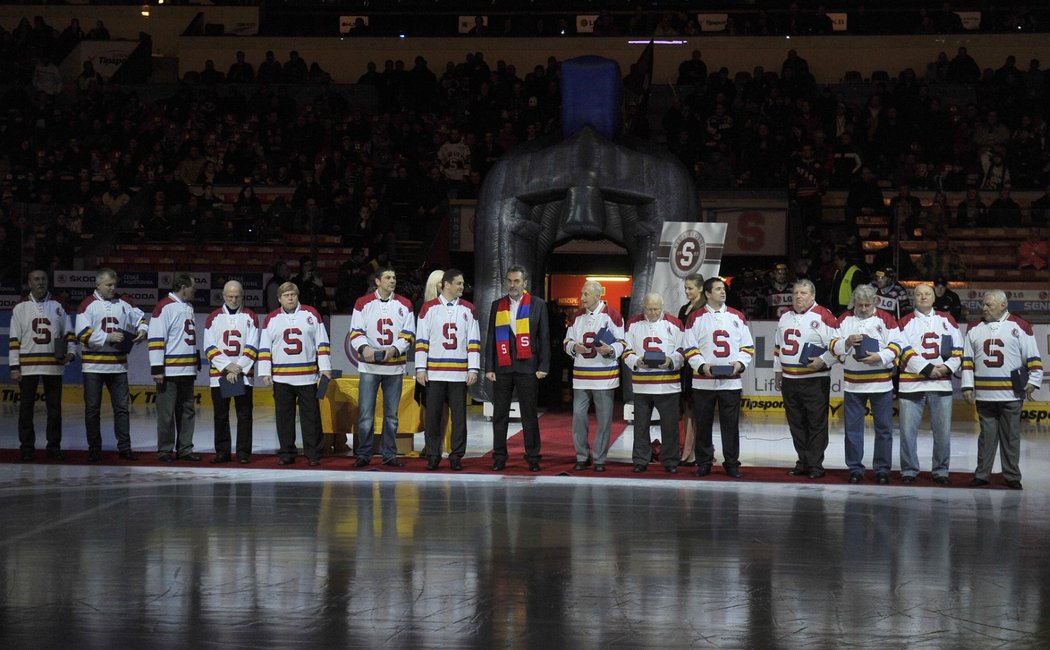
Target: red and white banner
x,y
753,231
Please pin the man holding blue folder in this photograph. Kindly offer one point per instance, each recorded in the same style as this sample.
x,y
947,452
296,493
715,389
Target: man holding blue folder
x,y
933,353
595,343
719,347
801,362
654,344
294,351
1001,368
381,331
231,344
868,344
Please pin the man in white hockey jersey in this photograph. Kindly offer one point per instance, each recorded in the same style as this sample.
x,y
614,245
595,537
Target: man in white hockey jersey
x,y
719,347
657,336
381,331
868,345
448,359
595,342
293,350
174,362
1001,368
104,323
41,344
231,344
932,354
804,377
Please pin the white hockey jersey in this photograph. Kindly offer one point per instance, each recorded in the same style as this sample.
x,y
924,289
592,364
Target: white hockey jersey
x,y
380,323
591,370
173,339
860,377
992,351
294,347
231,338
816,325
664,335
448,340
35,327
719,337
96,318
923,336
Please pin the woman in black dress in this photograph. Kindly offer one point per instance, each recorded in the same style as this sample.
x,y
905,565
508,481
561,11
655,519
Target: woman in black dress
x,y
694,293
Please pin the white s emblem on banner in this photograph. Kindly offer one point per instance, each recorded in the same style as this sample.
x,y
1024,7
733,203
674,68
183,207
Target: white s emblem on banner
x,y
686,247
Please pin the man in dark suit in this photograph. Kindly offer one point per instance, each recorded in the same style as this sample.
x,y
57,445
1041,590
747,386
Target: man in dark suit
x,y
518,356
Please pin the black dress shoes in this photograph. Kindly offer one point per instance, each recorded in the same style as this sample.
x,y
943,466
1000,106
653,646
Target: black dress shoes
x,y
243,459
432,464
815,473
907,479
534,467
638,469
27,455
978,482
671,469
362,461
942,480
499,465
55,454
164,458
285,460
733,472
599,467
884,478
581,466
127,454
393,462
190,456
94,455
703,470
456,464
798,470
1014,484
220,458
314,462
856,477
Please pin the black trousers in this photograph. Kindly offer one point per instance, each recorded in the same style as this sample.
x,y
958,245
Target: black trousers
x,y
26,401
221,410
502,395
667,405
454,394
285,399
728,403
806,406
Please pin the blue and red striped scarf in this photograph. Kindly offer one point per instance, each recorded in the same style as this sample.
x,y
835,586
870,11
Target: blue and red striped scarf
x,y
523,342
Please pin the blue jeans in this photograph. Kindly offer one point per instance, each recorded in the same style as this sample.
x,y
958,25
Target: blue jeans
x,y
119,396
367,391
882,414
911,409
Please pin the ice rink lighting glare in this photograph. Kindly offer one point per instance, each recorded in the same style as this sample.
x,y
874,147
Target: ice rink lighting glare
x,y
608,278
679,41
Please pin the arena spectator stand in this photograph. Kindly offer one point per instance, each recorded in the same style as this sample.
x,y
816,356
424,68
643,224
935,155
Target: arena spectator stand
x,y
373,145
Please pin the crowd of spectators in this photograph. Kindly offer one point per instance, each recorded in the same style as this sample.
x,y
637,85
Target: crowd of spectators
x,y
373,171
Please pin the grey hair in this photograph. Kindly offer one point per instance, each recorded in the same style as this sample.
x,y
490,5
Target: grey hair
x,y
654,296
517,268
806,282
103,274
997,295
596,286
863,292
